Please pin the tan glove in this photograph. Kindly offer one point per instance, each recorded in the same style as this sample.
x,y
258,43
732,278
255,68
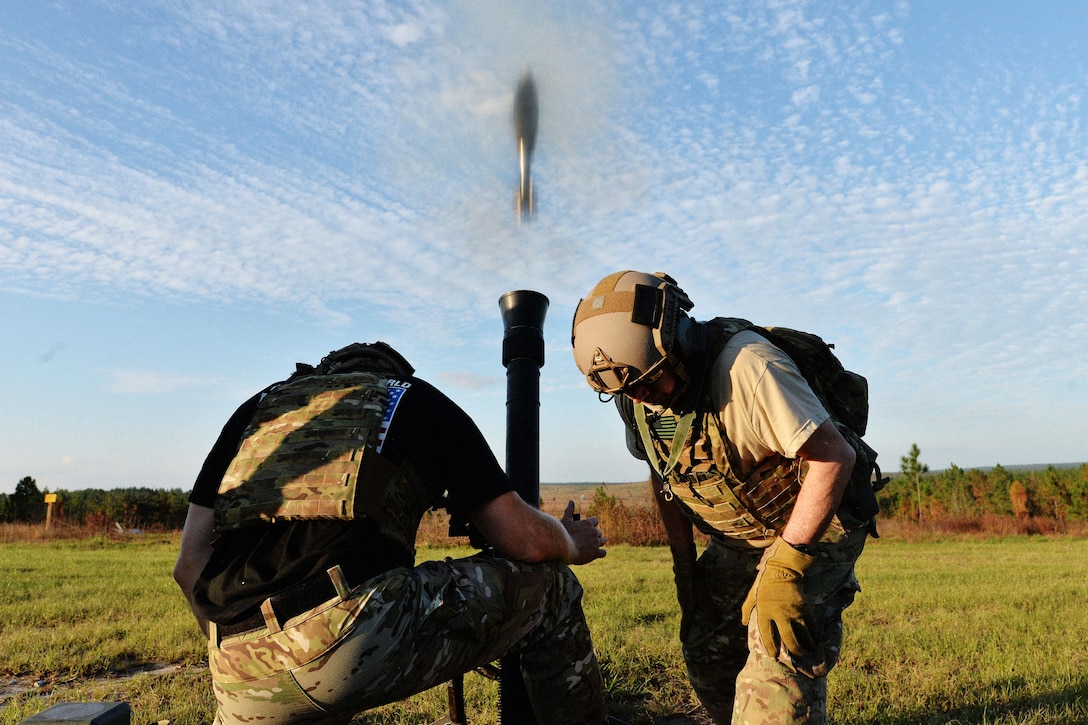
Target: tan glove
x,y
778,598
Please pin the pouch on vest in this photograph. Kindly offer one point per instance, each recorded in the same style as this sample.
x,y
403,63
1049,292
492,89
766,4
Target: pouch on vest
x,y
699,474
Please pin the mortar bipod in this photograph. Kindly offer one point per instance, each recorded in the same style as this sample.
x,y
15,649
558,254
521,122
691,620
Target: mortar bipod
x,y
455,690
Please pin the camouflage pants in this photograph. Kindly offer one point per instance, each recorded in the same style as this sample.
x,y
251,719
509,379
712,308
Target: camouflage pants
x,y
736,680
410,630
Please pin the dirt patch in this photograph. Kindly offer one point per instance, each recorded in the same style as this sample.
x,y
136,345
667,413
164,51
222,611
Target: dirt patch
x,y
14,686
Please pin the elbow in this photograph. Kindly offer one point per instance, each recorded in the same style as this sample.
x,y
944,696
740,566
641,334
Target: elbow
x,y
183,576
845,459
179,572
845,471
849,458
186,572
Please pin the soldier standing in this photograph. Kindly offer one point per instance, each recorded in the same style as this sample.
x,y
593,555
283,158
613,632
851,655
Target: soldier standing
x,y
298,554
740,446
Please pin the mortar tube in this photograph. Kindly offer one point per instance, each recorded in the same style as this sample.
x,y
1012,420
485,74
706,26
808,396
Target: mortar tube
x,y
523,313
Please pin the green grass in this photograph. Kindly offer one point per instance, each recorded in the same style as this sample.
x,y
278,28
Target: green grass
x,y
984,631
988,631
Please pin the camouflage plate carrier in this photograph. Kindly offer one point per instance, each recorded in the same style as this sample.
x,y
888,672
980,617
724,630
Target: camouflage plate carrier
x,y
698,467
309,453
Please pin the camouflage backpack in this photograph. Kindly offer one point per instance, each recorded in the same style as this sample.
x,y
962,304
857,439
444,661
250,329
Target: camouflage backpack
x,y
845,395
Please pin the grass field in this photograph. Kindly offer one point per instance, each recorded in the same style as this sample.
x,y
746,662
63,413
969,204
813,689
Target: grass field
x,y
955,631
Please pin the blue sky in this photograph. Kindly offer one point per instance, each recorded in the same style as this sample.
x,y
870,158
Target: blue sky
x,y
193,197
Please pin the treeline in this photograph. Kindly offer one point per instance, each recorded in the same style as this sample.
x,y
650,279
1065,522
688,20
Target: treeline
x,y
995,501
131,508
1050,493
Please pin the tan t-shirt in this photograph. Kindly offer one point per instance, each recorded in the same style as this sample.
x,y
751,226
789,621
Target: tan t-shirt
x,y
765,403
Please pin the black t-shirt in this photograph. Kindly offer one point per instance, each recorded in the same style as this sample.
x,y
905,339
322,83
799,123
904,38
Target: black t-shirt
x,y
427,432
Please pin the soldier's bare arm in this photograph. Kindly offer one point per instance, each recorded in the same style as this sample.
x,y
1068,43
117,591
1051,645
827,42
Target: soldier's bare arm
x,y
830,459
518,531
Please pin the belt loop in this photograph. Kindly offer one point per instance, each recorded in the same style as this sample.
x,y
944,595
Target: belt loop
x,y
213,633
270,619
336,574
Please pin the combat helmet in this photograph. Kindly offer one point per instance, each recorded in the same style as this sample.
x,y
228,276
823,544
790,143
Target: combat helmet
x,y
627,328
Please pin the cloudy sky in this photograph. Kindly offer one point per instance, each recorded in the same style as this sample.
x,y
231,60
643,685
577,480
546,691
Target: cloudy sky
x,y
195,196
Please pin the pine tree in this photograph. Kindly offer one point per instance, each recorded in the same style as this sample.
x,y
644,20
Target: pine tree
x,y
910,466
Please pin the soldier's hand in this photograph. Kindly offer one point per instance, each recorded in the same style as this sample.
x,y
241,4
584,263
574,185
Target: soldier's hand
x,y
778,598
588,539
